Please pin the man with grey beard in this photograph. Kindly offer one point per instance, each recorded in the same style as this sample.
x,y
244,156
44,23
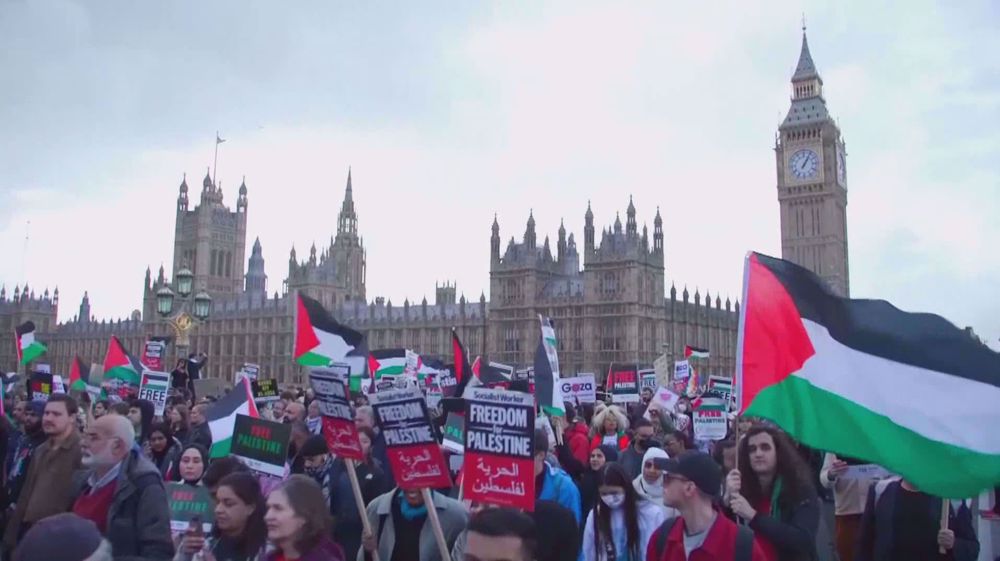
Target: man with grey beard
x,y
121,492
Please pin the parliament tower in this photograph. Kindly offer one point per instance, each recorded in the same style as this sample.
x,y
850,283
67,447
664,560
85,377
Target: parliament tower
x,y
810,156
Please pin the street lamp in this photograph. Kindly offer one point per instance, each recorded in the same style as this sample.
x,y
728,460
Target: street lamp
x,y
182,311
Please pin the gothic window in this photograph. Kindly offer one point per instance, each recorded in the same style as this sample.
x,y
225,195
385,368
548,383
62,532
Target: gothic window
x,y
229,264
512,342
211,266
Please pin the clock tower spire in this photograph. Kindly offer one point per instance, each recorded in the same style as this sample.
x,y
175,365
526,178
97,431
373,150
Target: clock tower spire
x,y
810,158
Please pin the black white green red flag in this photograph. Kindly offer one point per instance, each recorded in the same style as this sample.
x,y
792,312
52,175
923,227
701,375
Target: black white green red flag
x,y
696,352
548,390
221,416
28,349
320,340
120,365
79,374
908,391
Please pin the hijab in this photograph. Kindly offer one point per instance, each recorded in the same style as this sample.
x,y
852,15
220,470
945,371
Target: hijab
x,y
651,491
204,462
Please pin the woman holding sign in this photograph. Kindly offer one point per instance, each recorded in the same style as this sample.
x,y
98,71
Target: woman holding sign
x,y
619,527
239,533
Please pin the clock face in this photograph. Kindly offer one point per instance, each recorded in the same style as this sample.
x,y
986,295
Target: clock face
x,y
841,169
804,164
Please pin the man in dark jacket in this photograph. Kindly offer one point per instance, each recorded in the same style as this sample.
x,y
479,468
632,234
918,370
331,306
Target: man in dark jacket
x,y
200,433
22,449
631,458
122,493
901,522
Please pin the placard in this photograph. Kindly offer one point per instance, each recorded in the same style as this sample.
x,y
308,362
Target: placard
x,y
204,387
154,387
623,382
661,366
152,355
57,384
330,385
261,444
499,448
248,370
865,471
454,434
414,454
186,502
723,385
664,399
682,371
647,380
40,386
265,391
579,389
44,368
710,418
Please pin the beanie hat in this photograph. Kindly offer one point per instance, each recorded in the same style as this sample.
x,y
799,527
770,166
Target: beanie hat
x,y
63,537
314,446
610,452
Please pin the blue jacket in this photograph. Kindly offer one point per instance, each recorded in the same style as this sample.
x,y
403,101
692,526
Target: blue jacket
x,y
557,486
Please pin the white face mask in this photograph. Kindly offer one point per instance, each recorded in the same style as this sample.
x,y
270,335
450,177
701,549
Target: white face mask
x,y
614,500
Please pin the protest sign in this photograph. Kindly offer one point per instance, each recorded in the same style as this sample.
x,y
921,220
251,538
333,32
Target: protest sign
x,y
623,383
865,471
40,386
499,448
710,418
679,381
261,444
723,385
186,502
152,355
154,387
647,380
454,434
330,386
265,391
580,388
663,399
57,384
661,366
249,371
43,368
414,455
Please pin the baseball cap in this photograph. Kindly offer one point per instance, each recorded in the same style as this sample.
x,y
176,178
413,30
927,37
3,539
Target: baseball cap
x,y
63,537
696,466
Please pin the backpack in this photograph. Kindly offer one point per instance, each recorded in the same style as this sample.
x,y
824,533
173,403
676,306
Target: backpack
x,y
744,541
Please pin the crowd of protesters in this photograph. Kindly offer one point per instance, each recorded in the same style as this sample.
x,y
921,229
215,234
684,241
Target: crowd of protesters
x,y
87,482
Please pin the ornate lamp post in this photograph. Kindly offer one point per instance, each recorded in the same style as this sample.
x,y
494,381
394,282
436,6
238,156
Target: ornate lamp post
x,y
182,311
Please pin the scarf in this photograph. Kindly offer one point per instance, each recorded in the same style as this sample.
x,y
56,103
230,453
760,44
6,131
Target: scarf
x,y
409,511
775,493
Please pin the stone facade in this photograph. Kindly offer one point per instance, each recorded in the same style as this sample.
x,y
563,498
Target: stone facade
x,y
609,302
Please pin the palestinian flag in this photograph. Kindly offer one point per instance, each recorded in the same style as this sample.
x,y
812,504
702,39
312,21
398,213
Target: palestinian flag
x,y
27,348
388,362
910,392
463,372
120,365
696,352
320,340
711,401
222,414
79,375
548,390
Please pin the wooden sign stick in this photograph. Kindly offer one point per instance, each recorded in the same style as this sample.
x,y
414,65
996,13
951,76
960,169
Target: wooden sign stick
x,y
360,502
432,515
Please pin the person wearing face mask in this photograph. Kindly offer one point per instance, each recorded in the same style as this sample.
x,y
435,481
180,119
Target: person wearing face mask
x,y
192,464
631,458
401,530
649,484
239,533
619,527
773,491
590,479
122,492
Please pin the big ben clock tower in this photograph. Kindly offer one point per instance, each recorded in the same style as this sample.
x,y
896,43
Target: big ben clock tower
x,y
812,180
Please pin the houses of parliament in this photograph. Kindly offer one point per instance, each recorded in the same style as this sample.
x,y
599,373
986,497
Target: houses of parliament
x,y
610,297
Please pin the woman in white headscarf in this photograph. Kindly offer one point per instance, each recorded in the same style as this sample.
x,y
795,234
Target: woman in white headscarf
x,y
649,483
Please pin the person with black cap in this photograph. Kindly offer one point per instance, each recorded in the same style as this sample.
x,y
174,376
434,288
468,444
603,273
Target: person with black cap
x,y
691,483
63,537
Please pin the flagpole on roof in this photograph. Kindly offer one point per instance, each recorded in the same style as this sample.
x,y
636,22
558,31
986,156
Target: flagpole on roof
x,y
215,164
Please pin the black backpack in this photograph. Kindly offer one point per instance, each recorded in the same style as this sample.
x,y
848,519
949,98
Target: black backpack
x,y
744,541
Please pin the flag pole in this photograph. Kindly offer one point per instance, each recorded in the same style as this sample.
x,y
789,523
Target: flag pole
x,y
359,500
944,521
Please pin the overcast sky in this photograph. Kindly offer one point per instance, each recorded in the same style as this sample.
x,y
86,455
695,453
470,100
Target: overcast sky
x,y
458,110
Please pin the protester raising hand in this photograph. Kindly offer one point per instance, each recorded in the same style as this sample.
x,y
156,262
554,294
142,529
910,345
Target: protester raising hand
x,y
733,483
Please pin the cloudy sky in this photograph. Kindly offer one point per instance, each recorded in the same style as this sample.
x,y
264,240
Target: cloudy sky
x,y
458,110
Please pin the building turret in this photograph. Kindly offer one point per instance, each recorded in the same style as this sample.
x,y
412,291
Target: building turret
x,y
658,233
256,279
631,228
347,222
182,197
495,242
241,202
561,243
84,315
588,231
618,223
529,232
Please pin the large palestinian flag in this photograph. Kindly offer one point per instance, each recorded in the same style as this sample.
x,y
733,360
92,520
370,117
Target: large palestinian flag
x,y
120,365
861,378
28,349
79,374
387,362
221,417
320,339
548,389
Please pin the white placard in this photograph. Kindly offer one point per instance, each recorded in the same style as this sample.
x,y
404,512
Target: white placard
x,y
865,471
581,388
